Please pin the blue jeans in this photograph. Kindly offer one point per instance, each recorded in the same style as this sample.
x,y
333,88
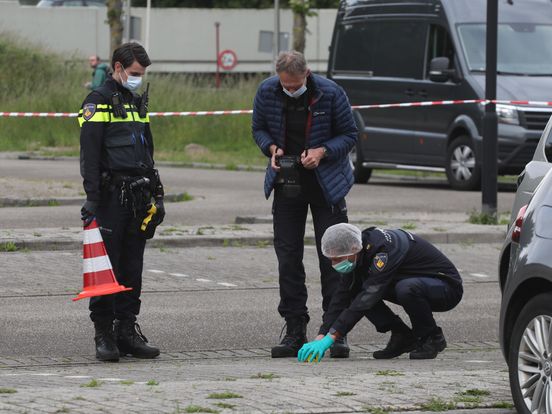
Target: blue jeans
x,y
420,297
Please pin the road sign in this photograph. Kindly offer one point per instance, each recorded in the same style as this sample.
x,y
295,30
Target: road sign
x,y
227,59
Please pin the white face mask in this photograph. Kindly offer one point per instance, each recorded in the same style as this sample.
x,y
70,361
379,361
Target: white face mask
x,y
297,93
132,83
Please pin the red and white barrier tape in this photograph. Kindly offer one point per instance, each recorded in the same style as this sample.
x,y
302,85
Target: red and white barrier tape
x,y
249,111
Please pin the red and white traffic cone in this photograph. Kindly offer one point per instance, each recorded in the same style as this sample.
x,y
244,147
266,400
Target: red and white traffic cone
x,y
98,276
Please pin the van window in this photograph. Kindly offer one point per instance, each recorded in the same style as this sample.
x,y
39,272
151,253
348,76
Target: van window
x,y
517,50
382,48
439,45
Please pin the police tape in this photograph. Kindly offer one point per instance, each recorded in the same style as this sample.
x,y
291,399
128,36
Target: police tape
x,y
250,111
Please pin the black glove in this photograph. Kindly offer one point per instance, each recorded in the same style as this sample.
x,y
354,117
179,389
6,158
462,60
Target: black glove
x,y
88,212
160,210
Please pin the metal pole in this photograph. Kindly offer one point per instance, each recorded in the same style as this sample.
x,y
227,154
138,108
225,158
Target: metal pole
x,y
276,34
489,185
217,35
127,18
148,14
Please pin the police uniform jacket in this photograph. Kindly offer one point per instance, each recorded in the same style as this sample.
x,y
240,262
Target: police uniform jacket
x,y
112,144
387,257
330,124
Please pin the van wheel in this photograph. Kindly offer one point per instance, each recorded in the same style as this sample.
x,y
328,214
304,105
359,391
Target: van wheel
x,y
463,171
530,357
362,174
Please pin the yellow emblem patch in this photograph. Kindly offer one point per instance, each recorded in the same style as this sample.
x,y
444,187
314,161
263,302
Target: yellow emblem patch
x,y
380,261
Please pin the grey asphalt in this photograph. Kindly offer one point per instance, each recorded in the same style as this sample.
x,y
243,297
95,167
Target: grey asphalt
x,y
211,309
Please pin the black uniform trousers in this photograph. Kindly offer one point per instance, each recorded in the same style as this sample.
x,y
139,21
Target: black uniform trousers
x,y
420,297
289,218
126,253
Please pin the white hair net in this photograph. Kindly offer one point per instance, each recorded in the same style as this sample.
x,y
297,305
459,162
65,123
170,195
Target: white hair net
x,y
341,239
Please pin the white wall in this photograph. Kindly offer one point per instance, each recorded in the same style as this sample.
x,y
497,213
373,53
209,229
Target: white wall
x,y
180,39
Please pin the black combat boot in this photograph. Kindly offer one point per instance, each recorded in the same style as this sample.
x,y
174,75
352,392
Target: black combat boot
x,y
402,340
340,348
131,340
430,346
106,348
296,336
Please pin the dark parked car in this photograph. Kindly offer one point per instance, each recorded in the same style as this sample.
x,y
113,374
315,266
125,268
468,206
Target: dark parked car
x,y
432,50
526,283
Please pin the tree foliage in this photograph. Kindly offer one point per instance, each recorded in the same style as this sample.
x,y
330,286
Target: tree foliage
x,y
233,4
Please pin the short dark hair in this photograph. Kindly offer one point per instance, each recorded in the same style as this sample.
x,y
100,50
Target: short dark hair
x,y
127,53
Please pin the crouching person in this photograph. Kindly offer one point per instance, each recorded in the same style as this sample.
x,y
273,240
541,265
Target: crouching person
x,y
387,265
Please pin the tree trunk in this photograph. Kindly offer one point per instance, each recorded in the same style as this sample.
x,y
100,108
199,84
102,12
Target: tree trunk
x,y
299,30
114,14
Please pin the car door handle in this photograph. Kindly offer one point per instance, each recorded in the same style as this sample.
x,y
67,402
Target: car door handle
x,y
423,93
409,92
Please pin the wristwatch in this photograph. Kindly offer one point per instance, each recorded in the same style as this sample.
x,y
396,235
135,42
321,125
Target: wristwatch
x,y
325,151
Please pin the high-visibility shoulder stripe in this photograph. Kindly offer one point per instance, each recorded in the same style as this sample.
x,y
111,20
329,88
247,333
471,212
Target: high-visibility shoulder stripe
x,y
97,117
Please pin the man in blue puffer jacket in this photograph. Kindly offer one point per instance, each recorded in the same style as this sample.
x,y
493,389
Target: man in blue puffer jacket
x,y
300,114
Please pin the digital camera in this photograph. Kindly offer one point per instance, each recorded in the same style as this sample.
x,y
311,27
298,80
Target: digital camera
x,y
289,174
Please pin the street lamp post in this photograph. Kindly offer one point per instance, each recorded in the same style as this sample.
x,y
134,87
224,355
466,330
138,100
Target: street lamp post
x,y
489,184
276,35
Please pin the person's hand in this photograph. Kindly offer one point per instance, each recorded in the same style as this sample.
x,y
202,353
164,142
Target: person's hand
x,y
160,210
314,351
88,212
276,152
311,157
88,85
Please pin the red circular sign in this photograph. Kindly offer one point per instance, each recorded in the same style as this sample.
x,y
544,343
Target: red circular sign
x,y
227,59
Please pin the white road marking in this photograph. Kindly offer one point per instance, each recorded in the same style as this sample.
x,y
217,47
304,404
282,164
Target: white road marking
x,y
226,284
77,376
179,274
482,275
203,280
155,271
111,379
476,361
43,374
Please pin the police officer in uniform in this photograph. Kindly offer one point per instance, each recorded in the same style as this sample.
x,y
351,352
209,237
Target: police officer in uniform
x,y
121,187
387,265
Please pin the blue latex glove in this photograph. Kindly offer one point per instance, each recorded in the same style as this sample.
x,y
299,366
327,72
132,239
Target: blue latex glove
x,y
314,351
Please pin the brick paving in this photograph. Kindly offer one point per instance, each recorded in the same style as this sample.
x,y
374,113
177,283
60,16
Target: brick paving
x,y
178,381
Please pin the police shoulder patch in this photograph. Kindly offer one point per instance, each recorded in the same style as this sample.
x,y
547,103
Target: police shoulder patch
x,y
380,261
88,111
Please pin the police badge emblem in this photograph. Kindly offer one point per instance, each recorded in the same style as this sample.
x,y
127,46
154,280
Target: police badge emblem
x,y
380,261
88,111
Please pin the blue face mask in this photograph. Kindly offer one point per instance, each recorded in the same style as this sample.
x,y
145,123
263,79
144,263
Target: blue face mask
x,y
345,266
297,93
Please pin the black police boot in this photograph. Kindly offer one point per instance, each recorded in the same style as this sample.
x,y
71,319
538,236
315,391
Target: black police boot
x,y
296,336
430,346
402,340
106,348
131,340
340,348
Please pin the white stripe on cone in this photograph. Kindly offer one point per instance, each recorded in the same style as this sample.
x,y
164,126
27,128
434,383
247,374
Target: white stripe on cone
x,y
96,264
92,236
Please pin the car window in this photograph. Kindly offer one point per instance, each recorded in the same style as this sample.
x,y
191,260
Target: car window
x,y
517,54
439,45
548,148
382,48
